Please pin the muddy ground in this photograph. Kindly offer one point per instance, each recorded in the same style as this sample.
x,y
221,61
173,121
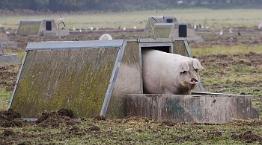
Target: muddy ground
x,y
62,127
231,69
8,76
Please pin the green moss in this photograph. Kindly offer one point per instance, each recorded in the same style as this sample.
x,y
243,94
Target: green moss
x,y
73,79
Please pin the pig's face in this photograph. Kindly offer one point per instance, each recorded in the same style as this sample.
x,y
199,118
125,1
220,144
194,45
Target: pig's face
x,y
188,75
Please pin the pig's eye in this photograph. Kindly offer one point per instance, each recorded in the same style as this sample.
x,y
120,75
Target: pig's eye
x,y
196,70
183,72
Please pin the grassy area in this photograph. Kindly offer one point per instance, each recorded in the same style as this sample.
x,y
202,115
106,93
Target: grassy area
x,y
4,99
227,50
136,131
230,68
211,17
19,52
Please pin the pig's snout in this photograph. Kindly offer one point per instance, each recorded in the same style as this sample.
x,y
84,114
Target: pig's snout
x,y
194,81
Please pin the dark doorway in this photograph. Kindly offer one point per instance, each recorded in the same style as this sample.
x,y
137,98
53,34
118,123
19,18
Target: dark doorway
x,y
160,48
182,30
169,20
48,26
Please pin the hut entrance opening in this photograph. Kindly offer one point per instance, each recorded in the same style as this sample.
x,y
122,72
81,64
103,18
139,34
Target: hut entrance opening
x,y
160,48
166,49
48,26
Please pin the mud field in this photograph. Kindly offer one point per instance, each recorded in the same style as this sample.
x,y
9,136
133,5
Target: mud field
x,y
229,67
239,73
62,127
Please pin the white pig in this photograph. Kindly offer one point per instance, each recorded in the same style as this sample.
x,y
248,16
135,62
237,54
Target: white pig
x,y
105,37
167,73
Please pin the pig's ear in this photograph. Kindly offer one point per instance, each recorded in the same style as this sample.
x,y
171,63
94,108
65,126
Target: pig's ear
x,y
197,64
184,66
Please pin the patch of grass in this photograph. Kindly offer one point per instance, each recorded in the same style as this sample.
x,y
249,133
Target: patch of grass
x,y
134,131
4,99
21,54
233,73
211,17
227,50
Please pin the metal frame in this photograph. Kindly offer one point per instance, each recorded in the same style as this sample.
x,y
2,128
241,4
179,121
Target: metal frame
x,y
74,44
59,45
188,49
112,81
17,81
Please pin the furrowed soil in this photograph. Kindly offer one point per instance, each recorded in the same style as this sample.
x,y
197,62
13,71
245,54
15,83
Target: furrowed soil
x,y
227,70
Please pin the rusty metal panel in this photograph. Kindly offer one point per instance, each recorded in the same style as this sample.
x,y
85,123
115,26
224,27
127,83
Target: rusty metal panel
x,y
76,79
129,79
189,108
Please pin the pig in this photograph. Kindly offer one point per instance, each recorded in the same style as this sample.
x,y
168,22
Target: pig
x,y
167,73
105,37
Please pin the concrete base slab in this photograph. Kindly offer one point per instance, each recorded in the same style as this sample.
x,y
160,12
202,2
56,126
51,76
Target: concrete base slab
x,y
215,108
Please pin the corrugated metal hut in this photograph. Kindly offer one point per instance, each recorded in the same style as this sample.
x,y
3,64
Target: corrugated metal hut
x,y
98,77
45,27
